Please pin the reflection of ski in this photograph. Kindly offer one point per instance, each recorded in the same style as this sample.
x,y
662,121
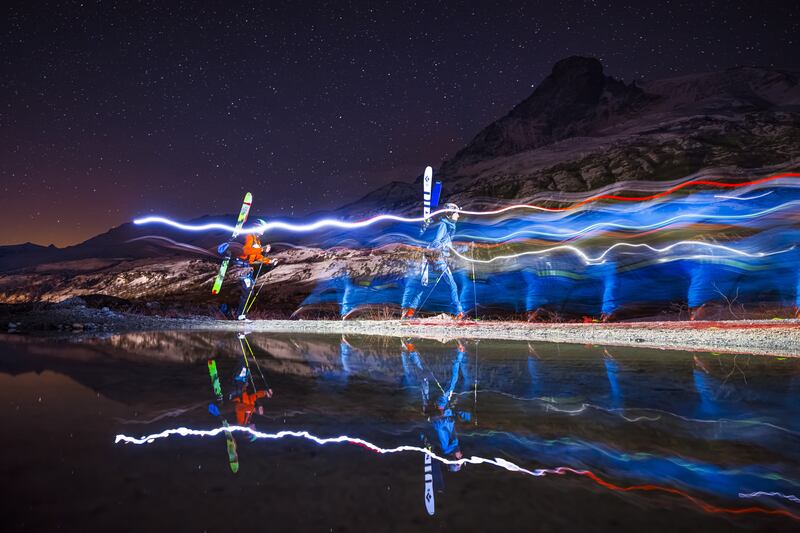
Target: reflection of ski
x,y
233,455
430,504
248,200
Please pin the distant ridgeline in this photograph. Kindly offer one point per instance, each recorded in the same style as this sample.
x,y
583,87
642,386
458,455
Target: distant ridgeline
x,y
657,239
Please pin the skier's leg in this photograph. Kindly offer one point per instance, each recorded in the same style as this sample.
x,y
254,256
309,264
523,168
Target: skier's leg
x,y
347,295
412,292
701,288
797,294
246,282
610,286
466,294
447,276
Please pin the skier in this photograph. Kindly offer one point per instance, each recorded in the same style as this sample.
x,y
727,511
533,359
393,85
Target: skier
x,y
247,256
437,253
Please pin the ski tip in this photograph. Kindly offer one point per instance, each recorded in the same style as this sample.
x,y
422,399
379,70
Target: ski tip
x,y
248,198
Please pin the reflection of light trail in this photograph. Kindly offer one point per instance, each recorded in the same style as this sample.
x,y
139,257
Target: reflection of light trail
x,y
642,227
790,497
601,258
497,461
585,406
549,401
172,413
334,223
571,447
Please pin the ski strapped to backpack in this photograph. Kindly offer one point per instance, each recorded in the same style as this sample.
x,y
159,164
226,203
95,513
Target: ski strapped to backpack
x,y
243,212
431,192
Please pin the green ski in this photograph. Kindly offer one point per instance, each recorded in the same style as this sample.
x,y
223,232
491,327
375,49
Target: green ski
x,y
223,268
233,455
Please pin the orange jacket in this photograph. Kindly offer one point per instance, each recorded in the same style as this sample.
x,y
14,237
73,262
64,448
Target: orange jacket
x,y
246,406
252,250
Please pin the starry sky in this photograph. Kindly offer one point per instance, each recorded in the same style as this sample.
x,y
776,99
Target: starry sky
x,y
112,110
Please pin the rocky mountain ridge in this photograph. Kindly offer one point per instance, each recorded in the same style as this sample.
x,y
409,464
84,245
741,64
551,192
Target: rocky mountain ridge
x,y
579,130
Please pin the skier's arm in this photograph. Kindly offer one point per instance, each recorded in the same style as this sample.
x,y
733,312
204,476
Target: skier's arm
x,y
441,235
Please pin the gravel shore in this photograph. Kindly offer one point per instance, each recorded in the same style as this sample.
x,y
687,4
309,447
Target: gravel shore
x,y
765,337
780,338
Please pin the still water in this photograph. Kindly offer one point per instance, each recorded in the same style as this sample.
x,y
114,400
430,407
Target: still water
x,y
331,433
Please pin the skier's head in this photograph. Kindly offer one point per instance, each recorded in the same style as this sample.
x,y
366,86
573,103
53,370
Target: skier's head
x,y
453,211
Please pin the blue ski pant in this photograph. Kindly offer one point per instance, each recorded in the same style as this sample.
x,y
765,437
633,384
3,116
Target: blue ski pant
x,y
439,271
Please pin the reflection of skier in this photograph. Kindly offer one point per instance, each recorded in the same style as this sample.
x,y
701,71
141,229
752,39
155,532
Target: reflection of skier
x,y
442,413
246,403
444,417
436,255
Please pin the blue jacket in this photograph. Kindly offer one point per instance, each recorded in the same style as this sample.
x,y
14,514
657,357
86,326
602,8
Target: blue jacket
x,y
444,236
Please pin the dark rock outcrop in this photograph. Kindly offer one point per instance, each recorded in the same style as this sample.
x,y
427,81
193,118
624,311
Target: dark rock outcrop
x,y
576,99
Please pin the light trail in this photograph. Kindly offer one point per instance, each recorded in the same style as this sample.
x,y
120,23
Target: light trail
x,y
725,197
497,461
548,401
601,258
790,497
642,227
661,194
263,227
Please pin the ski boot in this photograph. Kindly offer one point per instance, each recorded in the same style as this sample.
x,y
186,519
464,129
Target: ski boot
x,y
408,313
698,313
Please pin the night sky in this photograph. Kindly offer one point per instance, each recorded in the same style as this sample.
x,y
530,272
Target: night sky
x,y
111,110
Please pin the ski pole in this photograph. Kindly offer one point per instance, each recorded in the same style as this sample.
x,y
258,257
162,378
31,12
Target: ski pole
x,y
475,401
474,289
431,373
255,280
433,288
254,298
246,363
256,361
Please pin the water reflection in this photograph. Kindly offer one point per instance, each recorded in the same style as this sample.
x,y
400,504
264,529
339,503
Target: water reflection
x,y
705,432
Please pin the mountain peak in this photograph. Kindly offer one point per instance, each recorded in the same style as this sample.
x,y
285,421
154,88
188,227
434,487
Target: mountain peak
x,y
575,99
572,64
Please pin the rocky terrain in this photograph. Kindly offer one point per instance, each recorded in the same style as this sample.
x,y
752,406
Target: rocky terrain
x,y
73,317
579,130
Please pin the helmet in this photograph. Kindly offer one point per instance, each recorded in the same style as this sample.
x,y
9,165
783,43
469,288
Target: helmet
x,y
453,210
